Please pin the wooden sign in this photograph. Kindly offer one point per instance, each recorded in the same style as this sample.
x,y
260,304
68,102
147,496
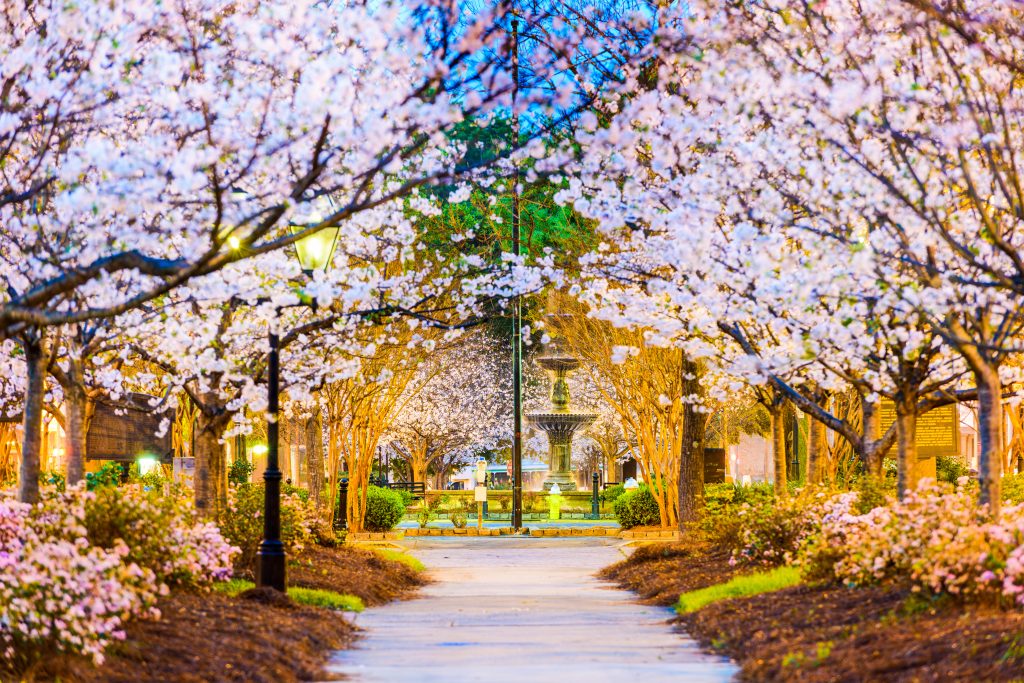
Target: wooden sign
x,y
126,430
938,430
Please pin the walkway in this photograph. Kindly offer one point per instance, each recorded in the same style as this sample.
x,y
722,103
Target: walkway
x,y
522,610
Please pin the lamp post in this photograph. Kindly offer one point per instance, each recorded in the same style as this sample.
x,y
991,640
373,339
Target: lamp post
x,y
315,252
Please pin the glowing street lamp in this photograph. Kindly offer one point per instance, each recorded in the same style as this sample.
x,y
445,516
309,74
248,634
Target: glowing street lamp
x,y
315,252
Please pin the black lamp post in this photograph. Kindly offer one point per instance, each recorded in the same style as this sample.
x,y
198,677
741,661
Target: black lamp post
x,y
315,252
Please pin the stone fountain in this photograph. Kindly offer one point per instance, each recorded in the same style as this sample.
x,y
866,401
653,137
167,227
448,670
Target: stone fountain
x,y
560,423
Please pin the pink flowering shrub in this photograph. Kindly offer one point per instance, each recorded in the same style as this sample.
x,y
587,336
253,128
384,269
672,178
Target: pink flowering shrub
x,y
772,533
64,597
161,533
79,564
937,540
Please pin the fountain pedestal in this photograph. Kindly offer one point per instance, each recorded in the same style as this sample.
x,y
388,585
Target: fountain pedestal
x,y
560,424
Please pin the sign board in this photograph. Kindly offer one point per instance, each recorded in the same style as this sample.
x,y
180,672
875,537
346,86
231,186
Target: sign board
x,y
938,430
714,465
126,430
480,494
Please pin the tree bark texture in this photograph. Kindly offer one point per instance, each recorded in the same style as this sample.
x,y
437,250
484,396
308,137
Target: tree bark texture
x,y
690,481
32,420
990,415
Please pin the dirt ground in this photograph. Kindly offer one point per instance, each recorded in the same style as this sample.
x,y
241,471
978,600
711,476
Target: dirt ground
x,y
819,634
259,636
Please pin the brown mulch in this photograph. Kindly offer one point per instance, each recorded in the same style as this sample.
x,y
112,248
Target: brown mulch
x,y
819,634
259,636
210,637
659,573
354,571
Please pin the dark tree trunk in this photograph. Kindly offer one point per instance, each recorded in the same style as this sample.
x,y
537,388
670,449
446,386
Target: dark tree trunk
x,y
990,416
210,464
315,458
690,481
817,451
778,415
871,450
31,447
77,401
906,446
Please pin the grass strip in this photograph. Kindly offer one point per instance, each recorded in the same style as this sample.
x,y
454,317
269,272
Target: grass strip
x,y
738,587
304,596
399,556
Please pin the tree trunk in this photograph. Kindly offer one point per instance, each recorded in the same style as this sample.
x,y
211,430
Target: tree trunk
x,y
989,436
31,445
690,481
870,452
76,400
817,451
906,447
315,458
210,465
778,415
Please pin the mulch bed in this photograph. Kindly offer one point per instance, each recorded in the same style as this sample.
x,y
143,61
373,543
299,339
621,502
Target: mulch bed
x,y
660,572
355,571
211,637
822,634
259,636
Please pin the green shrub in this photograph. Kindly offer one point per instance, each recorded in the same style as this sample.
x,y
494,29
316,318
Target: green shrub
x,y
871,494
54,479
406,497
242,522
1013,489
637,508
950,469
107,475
384,509
612,493
240,471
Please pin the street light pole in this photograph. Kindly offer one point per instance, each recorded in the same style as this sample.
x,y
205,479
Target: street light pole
x,y
270,560
315,252
517,314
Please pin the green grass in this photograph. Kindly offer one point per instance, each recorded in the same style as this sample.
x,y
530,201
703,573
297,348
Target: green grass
x,y
738,587
398,556
304,596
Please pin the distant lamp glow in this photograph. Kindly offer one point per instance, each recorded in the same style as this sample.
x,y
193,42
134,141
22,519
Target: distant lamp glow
x,y
234,243
147,465
259,449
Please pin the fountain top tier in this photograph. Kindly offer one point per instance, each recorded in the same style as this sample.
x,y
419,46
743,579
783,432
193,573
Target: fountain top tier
x,y
560,420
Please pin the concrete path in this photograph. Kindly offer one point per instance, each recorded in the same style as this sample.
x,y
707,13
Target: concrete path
x,y
522,610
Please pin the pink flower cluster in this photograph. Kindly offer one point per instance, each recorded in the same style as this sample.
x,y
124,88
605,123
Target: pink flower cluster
x,y
937,540
65,588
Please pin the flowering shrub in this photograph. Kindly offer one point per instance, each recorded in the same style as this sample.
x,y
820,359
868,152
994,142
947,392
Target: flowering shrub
x,y
242,524
66,597
77,565
770,535
936,541
161,534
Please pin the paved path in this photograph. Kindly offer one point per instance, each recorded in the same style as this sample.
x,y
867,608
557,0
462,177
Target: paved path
x,y
522,610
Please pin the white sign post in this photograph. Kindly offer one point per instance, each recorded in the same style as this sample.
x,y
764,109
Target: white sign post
x,y
480,492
